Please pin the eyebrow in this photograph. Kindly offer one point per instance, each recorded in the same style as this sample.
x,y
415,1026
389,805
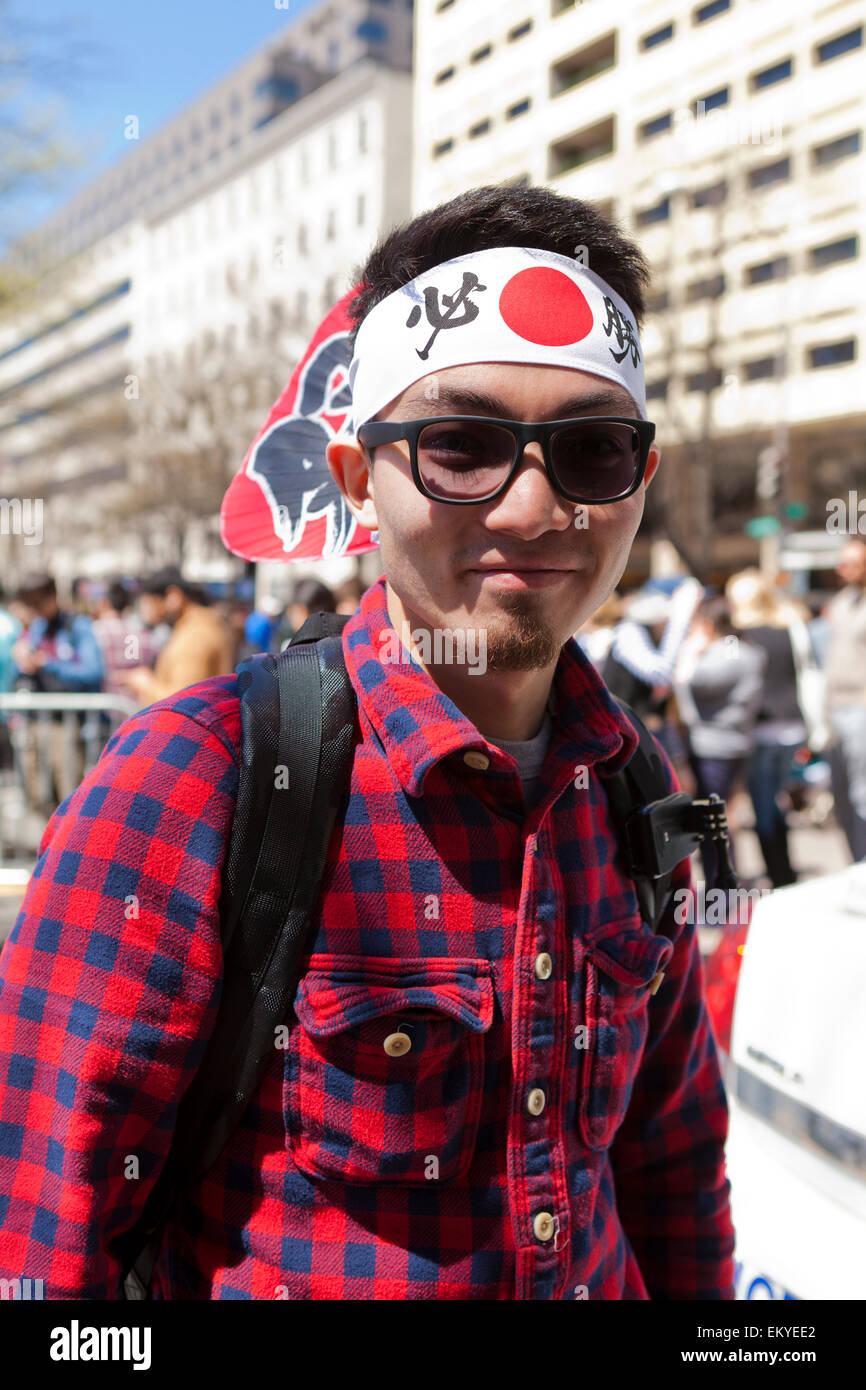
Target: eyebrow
x,y
466,399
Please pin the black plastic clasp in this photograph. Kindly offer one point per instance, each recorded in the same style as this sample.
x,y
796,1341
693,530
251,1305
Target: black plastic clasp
x,y
668,831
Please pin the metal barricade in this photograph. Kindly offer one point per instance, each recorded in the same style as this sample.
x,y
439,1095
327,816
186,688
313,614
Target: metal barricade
x,y
50,756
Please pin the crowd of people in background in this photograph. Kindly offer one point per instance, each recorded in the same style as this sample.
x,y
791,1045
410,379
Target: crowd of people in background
x,y
742,687
135,640
745,687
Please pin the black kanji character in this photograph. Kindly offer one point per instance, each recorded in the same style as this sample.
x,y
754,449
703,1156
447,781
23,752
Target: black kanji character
x,y
626,334
440,319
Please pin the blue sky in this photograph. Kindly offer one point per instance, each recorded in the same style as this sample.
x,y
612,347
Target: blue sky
x,y
146,57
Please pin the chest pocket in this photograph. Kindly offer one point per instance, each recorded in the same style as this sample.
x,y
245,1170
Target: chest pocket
x,y
385,1069
621,960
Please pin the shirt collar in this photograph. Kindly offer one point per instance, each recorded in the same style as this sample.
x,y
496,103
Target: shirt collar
x,y
418,725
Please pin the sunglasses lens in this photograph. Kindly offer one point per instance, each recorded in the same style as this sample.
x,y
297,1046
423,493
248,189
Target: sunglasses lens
x,y
596,460
464,458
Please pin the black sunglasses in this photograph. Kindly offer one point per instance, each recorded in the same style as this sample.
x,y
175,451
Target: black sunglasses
x,y
467,459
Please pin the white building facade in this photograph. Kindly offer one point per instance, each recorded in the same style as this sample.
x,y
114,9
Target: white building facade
x,y
729,138
170,264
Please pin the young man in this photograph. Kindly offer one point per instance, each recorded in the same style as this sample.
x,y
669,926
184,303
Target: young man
x,y
498,1082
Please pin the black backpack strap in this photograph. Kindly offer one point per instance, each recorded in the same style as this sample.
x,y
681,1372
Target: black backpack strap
x,y
641,782
298,713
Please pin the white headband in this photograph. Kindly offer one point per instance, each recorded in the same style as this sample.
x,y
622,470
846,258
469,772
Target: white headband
x,y
504,304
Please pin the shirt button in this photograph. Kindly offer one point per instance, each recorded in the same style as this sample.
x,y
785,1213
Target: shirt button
x,y
543,1226
479,761
536,1101
543,966
397,1043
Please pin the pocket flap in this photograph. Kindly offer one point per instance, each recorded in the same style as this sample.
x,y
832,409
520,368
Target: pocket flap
x,y
628,950
340,992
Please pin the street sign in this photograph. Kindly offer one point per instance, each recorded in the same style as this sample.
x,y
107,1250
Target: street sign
x,y
761,526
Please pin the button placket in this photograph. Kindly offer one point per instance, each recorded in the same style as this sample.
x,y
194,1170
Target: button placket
x,y
538,1000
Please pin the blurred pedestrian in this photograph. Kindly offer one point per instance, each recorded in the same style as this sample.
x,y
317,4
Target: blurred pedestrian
x,y
347,597
310,596
10,631
765,616
258,635
845,674
200,645
718,684
124,640
57,653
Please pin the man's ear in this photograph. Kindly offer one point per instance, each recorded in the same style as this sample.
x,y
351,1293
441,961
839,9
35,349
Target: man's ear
x,y
349,468
652,463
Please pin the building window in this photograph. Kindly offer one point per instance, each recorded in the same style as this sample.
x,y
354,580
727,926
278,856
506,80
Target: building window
x,y
832,354
518,108
657,36
302,239
657,303
362,135
657,390
705,12
361,208
305,167
583,146
481,128
442,148
332,150
710,195
585,63
710,101
373,30
655,126
768,77
834,48
445,75
659,212
331,225
765,271
834,150
329,292
519,30
302,304
709,287
708,380
832,252
481,53
764,367
767,174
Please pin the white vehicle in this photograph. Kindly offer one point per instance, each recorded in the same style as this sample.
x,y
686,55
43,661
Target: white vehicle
x,y
796,1079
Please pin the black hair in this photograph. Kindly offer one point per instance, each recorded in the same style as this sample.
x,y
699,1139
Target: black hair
x,y
717,610
118,596
502,215
314,595
170,577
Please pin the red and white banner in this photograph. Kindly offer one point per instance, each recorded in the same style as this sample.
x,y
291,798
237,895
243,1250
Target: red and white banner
x,y
283,504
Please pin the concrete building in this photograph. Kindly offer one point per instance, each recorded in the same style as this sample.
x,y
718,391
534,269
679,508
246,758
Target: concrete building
x,y
194,252
728,138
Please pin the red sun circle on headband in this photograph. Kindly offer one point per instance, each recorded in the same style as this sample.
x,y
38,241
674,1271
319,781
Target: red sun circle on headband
x,y
545,306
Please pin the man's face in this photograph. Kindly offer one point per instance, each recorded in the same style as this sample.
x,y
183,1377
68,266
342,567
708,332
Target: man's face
x,y
152,609
851,565
433,553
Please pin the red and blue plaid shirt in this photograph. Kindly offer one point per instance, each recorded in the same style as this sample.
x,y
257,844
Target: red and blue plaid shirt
x,y
552,1131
